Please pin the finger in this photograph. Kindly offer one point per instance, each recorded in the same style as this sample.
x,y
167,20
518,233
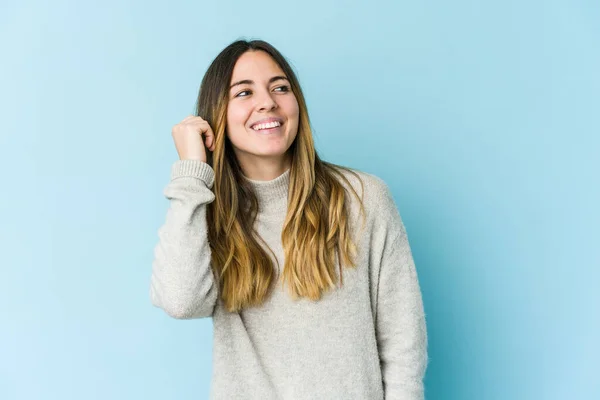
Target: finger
x,y
189,117
205,128
198,121
210,141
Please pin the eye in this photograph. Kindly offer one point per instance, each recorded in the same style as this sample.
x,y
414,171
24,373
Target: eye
x,y
281,89
243,91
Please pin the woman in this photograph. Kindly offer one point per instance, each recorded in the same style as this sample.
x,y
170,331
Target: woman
x,y
252,205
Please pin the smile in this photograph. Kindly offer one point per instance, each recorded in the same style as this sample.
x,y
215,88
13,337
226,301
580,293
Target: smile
x,y
266,126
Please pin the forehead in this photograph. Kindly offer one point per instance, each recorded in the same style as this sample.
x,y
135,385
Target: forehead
x,y
255,65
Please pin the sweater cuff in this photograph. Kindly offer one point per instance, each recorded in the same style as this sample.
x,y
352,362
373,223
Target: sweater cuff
x,y
195,169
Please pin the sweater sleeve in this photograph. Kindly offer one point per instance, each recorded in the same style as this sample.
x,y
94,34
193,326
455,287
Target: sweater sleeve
x,y
182,281
400,323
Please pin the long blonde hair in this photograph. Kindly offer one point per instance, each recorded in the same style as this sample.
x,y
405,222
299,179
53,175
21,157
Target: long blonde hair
x,y
316,227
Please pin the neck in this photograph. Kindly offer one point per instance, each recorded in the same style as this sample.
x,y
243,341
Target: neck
x,y
264,169
272,194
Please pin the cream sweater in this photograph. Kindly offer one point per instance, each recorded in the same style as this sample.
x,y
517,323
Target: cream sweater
x,y
365,340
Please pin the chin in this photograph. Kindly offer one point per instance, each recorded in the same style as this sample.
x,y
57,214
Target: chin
x,y
272,153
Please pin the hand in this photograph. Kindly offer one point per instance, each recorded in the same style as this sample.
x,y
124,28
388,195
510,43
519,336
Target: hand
x,y
188,138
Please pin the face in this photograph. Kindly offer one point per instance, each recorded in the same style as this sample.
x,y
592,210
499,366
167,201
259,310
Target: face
x,y
262,115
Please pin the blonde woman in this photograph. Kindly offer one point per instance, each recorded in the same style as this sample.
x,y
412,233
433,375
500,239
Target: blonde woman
x,y
304,265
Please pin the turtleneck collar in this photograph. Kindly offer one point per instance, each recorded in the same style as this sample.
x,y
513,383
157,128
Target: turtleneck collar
x,y
273,191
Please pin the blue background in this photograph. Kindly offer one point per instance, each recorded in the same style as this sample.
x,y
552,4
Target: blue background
x,y
482,116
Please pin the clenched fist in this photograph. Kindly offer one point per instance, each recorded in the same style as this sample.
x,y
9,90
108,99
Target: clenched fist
x,y
188,138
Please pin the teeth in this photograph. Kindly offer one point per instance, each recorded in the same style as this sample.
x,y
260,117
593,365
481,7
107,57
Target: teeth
x,y
266,126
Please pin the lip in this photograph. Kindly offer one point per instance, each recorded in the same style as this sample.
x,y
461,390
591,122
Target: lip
x,y
267,120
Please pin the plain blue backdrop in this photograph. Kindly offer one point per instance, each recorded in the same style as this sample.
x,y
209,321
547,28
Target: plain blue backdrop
x,y
482,116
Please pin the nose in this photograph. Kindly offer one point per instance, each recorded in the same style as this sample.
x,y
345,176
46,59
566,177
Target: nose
x,y
265,102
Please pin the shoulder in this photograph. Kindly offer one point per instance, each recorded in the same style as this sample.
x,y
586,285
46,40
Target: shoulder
x,y
377,196
383,222
376,189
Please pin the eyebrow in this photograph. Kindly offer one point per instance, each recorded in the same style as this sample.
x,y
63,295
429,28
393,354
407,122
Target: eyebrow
x,y
251,82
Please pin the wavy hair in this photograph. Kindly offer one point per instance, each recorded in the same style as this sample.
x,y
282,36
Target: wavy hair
x,y
316,230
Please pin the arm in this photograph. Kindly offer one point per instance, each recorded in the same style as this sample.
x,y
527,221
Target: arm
x,y
182,281
400,322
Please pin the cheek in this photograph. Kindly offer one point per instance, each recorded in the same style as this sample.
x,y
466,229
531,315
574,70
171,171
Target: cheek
x,y
236,116
291,108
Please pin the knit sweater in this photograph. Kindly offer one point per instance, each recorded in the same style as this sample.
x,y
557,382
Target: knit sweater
x,y
363,340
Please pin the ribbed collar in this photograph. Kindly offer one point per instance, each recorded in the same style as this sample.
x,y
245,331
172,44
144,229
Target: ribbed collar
x,y
273,192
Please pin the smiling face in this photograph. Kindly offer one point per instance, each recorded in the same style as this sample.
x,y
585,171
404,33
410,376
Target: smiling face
x,y
263,113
